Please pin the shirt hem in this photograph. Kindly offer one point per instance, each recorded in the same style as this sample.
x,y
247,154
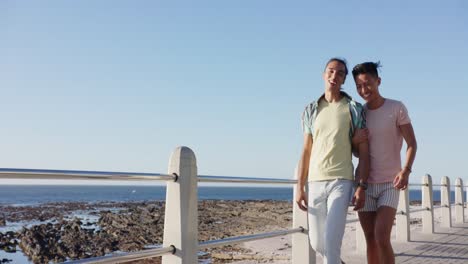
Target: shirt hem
x,y
331,178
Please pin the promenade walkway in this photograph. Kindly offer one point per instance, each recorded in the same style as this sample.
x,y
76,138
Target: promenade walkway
x,y
446,245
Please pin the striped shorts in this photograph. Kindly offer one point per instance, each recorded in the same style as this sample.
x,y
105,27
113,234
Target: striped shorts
x,y
381,194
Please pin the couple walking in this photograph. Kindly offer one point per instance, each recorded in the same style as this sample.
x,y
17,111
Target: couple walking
x,y
335,126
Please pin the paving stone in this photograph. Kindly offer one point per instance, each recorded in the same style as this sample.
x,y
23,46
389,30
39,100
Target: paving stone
x,y
450,246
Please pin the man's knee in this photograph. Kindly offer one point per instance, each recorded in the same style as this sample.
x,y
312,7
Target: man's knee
x,y
382,239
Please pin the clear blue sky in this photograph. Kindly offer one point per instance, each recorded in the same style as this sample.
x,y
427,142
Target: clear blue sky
x,y
117,85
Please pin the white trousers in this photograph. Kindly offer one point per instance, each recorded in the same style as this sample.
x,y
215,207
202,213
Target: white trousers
x,y
328,206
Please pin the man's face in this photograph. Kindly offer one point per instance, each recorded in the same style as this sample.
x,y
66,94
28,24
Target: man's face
x,y
334,75
367,86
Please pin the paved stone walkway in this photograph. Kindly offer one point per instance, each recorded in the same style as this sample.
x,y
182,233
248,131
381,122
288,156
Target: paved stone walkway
x,y
445,246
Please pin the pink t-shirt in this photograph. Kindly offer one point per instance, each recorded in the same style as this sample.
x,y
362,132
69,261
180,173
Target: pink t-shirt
x,y
385,139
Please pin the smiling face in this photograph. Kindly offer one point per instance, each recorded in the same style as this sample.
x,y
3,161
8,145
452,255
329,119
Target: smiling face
x,y
367,86
334,75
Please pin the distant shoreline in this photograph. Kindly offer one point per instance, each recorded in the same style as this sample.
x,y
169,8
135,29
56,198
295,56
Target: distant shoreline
x,y
36,195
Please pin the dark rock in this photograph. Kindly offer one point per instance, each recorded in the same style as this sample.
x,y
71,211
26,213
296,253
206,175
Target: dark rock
x,y
9,248
2,220
133,227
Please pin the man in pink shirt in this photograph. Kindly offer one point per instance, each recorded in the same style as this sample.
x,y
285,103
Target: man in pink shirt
x,y
388,123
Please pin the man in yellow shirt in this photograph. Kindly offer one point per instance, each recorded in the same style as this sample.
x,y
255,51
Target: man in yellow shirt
x,y
326,163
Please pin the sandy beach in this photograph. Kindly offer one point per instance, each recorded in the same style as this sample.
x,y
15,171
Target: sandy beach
x,y
64,231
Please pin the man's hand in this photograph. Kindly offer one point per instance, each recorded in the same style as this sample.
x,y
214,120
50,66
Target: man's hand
x,y
301,199
360,135
359,198
401,180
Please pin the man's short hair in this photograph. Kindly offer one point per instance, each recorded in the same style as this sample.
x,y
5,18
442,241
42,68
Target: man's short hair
x,y
367,68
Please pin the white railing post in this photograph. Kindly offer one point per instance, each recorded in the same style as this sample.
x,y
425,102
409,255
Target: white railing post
x,y
445,202
459,205
181,216
302,251
428,203
466,197
403,217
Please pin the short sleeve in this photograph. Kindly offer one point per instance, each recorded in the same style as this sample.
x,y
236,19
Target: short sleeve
x,y
402,116
306,118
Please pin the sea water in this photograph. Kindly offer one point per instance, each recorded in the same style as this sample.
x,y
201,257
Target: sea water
x,y
39,194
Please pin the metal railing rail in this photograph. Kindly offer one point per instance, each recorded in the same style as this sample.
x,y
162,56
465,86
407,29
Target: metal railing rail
x,y
151,253
12,173
127,257
228,179
415,210
240,239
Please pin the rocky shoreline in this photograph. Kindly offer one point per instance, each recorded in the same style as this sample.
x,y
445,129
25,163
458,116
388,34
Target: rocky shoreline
x,y
59,233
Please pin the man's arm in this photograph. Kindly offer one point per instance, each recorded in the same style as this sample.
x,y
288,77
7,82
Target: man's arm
x,y
401,180
359,195
361,135
303,171
364,161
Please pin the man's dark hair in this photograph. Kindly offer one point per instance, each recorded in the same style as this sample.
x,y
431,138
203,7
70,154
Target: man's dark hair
x,y
367,67
340,60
